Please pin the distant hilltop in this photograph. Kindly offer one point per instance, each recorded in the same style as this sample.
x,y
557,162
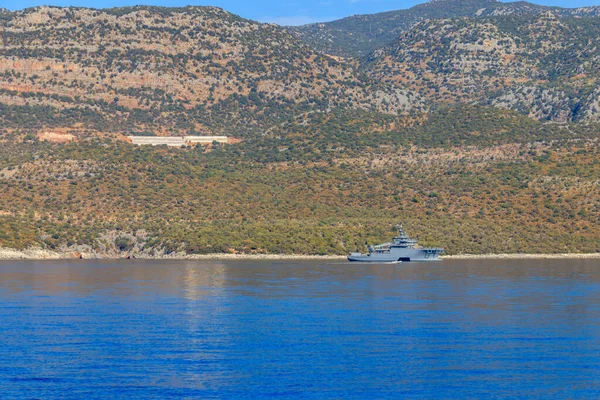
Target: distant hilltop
x,y
359,35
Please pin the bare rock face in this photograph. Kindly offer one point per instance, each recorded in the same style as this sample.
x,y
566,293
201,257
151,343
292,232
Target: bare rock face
x,y
543,66
537,102
591,110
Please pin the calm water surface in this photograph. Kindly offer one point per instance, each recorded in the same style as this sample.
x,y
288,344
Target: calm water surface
x,y
161,329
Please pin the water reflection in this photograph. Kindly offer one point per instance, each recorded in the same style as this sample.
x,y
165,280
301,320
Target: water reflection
x,y
198,278
123,278
202,281
485,290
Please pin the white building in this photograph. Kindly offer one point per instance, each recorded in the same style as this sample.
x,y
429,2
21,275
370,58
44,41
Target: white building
x,y
176,141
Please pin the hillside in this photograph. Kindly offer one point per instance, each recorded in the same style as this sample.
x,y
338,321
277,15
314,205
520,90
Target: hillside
x,y
540,65
473,179
194,69
479,134
359,35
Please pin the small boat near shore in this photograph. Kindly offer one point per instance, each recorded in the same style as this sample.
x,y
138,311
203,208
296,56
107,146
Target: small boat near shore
x,y
400,249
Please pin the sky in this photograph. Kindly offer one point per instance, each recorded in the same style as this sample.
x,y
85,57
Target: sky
x,y
283,12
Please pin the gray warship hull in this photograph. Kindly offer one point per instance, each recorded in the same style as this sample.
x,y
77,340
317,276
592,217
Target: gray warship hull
x,y
404,255
401,249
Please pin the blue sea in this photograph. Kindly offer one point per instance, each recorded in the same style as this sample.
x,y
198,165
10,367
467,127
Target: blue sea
x,y
457,329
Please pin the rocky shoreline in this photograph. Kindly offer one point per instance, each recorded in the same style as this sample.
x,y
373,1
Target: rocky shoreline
x,y
34,254
44,254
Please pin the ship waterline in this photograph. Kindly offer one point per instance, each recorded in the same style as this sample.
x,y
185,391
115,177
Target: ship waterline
x,y
401,249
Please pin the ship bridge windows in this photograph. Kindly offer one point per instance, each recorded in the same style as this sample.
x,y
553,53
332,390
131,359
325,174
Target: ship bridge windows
x,y
382,251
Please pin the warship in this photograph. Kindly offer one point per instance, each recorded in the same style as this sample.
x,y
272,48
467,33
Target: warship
x,y
401,249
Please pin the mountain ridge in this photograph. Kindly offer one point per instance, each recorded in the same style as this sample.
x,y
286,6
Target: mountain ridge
x,y
358,35
199,69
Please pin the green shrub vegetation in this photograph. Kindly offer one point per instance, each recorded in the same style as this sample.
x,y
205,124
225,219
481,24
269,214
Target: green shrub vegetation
x,y
489,194
479,133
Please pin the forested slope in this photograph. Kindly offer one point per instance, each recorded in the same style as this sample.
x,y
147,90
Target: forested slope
x,y
464,179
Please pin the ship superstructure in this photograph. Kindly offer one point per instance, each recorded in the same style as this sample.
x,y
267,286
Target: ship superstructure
x,y
401,249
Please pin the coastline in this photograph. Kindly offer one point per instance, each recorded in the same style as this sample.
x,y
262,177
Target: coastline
x,y
226,256
7,254
522,256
